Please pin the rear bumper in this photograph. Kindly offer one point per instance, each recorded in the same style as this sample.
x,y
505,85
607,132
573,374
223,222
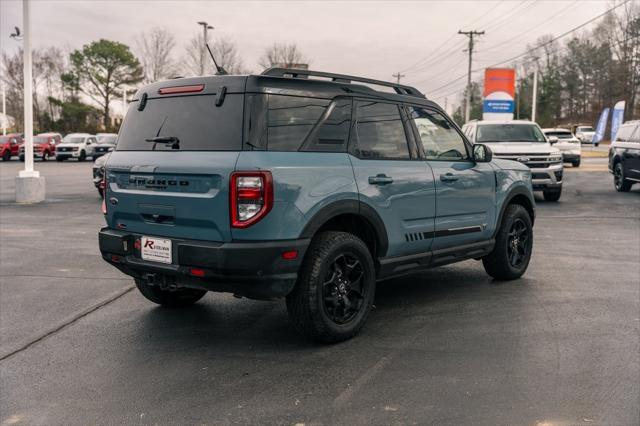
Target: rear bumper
x,y
252,269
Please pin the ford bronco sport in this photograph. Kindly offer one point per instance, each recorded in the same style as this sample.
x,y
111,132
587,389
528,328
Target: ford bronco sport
x,y
303,185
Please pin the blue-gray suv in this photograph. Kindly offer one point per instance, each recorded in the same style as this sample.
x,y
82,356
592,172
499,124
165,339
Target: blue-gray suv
x,y
303,185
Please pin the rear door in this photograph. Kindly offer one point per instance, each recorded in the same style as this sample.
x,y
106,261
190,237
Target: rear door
x,y
391,177
176,185
465,190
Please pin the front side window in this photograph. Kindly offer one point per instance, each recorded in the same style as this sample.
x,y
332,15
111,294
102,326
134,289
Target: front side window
x,y
380,132
440,140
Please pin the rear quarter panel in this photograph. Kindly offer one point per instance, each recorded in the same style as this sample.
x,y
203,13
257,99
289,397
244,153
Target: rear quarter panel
x,y
304,183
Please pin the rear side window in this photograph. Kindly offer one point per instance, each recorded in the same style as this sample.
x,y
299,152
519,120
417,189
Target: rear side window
x,y
295,123
195,121
380,132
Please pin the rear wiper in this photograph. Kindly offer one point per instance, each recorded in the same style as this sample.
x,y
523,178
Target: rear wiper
x,y
174,141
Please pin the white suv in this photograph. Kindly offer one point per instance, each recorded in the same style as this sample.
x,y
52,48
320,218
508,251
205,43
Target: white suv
x,y
76,145
567,143
522,141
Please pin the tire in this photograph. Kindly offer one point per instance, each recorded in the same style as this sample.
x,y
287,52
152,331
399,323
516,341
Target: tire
x,y
83,156
316,306
619,182
6,156
596,145
576,163
22,158
552,195
502,263
45,156
171,299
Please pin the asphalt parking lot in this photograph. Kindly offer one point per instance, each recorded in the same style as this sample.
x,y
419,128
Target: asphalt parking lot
x,y
448,347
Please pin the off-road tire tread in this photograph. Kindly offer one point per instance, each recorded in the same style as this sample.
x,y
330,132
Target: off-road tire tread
x,y
496,263
302,303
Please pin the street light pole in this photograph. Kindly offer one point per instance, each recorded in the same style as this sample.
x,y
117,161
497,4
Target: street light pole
x,y
28,95
203,55
30,186
4,110
535,95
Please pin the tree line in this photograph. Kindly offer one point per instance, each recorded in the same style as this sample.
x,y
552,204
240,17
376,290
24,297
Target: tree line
x,y
75,91
577,78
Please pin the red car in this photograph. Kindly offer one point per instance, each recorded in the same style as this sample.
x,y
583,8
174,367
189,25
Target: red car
x,y
44,146
10,145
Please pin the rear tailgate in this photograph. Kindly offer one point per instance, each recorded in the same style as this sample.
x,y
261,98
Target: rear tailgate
x,y
169,175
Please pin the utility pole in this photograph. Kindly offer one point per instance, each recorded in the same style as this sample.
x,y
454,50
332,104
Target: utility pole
x,y
535,95
398,76
470,34
203,55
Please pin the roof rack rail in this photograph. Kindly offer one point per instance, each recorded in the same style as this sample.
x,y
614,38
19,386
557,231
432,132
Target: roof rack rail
x,y
342,78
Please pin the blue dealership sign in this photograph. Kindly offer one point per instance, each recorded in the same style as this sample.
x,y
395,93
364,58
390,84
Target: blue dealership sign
x,y
602,125
497,105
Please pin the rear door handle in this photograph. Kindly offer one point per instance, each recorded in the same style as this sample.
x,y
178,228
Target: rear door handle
x,y
448,177
380,179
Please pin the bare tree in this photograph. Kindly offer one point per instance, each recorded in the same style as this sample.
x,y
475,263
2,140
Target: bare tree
x,y
283,55
197,60
154,49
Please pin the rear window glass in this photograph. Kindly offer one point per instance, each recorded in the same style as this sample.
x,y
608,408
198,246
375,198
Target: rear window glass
x,y
196,122
559,135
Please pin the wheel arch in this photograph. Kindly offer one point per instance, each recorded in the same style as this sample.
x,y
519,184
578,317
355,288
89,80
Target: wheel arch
x,y
351,216
521,196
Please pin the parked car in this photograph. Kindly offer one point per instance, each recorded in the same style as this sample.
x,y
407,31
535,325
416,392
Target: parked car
x,y
522,141
585,134
44,145
624,156
76,145
106,143
98,173
567,143
10,145
303,185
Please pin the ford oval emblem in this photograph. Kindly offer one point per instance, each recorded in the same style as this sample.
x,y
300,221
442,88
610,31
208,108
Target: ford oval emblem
x,y
523,159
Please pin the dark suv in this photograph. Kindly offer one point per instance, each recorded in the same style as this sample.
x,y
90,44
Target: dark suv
x,y
305,185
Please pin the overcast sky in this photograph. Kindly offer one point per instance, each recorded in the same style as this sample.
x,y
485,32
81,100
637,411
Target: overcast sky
x,y
373,39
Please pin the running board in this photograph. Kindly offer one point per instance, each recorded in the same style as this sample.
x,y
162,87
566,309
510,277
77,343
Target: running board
x,y
400,265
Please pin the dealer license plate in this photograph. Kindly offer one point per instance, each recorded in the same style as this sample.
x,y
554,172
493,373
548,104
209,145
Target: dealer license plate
x,y
156,249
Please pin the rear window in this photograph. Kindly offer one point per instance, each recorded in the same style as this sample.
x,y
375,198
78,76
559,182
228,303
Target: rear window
x,y
196,122
559,135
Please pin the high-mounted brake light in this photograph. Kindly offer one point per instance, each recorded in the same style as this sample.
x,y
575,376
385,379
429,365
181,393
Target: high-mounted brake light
x,y
194,88
251,196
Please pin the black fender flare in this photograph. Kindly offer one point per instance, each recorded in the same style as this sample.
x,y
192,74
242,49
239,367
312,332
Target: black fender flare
x,y
519,190
355,207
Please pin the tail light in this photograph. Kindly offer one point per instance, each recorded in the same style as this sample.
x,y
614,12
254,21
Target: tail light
x,y
103,186
251,197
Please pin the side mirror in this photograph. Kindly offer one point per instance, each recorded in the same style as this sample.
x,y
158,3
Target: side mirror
x,y
482,153
553,139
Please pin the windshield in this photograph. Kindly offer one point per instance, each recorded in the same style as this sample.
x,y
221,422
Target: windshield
x,y
40,139
185,123
560,135
107,139
73,139
509,133
585,129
